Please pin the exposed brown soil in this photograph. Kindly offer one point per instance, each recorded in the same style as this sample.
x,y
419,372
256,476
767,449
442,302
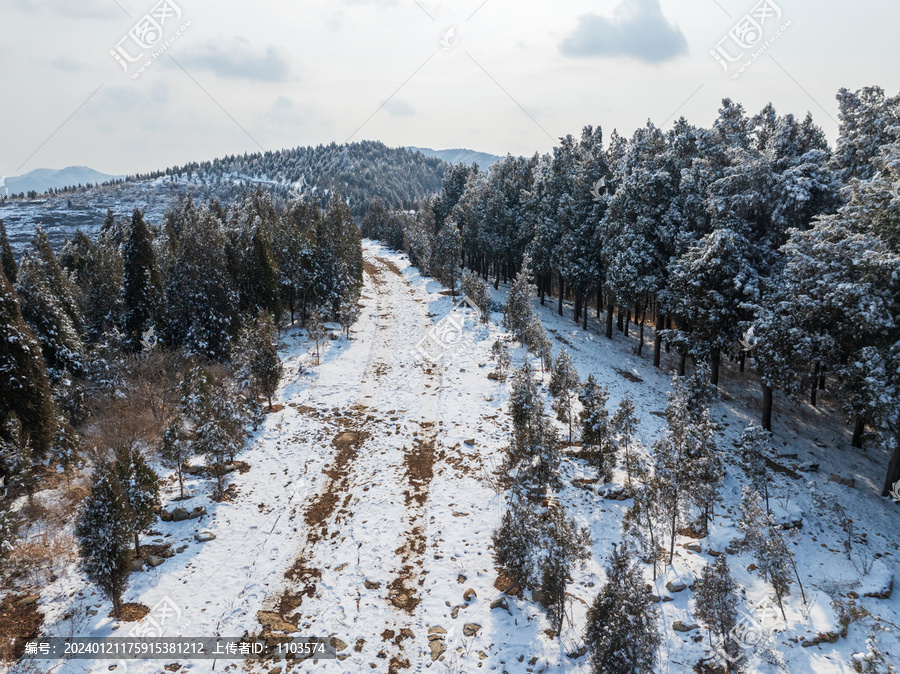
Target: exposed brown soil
x,y
390,265
132,613
347,445
20,621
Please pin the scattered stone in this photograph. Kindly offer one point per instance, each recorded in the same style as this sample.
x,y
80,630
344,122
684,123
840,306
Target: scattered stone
x,y
579,653
470,442
165,515
180,515
538,595
437,648
668,598
372,585
275,623
853,595
494,376
752,567
471,629
821,638
787,455
455,612
137,565
204,537
808,467
469,595
676,586
500,603
679,626
337,644
155,561
884,593
846,481
654,598
194,470
694,547
713,553
461,579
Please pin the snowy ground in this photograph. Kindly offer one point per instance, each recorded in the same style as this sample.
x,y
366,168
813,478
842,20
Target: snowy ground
x,y
367,512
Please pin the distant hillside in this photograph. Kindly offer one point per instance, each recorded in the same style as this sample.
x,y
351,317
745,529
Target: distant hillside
x,y
41,180
483,159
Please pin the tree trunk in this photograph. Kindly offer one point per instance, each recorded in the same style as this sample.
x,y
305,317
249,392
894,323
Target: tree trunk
x,y
858,430
620,325
641,340
577,311
815,386
585,316
599,302
893,473
137,544
627,321
668,343
768,404
657,340
822,378
682,365
743,360
541,286
562,286
715,362
609,319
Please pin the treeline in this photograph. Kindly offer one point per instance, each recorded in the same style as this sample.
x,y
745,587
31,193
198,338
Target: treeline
x,y
752,239
199,288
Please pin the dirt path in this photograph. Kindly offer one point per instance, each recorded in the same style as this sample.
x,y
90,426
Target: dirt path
x,y
359,576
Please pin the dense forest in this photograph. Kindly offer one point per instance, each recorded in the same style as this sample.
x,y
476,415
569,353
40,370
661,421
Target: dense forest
x,y
753,240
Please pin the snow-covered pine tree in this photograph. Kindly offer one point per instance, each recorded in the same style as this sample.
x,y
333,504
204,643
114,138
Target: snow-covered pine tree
x,y
176,449
539,343
7,259
104,532
315,330
445,256
349,311
24,384
515,552
596,435
624,425
621,634
16,455
142,294
140,487
500,354
754,447
564,387
563,544
265,365
476,289
715,597
518,310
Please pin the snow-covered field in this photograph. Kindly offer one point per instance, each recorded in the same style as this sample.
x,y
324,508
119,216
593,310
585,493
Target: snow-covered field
x,y
368,508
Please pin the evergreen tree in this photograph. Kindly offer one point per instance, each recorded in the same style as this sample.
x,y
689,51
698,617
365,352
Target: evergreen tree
x,y
140,487
265,365
539,342
445,257
624,424
16,459
563,545
596,436
24,384
716,604
316,331
515,552
518,310
478,291
349,312
754,446
621,633
177,449
564,385
7,259
142,291
104,531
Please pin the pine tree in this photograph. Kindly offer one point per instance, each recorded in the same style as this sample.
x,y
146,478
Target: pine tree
x,y
142,291
477,290
16,456
177,449
104,531
563,545
445,257
9,531
754,445
596,435
539,342
265,365
7,259
716,604
624,424
24,384
500,354
515,552
518,310
140,487
349,312
621,633
316,331
564,384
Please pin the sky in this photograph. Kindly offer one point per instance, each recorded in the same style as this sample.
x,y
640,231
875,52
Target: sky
x,y
496,76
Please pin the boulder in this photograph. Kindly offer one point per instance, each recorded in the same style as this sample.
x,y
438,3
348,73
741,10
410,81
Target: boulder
x,y
337,644
204,537
694,547
470,442
654,598
197,513
155,561
437,648
676,586
471,629
165,515
180,515
469,595
137,565
679,626
500,603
